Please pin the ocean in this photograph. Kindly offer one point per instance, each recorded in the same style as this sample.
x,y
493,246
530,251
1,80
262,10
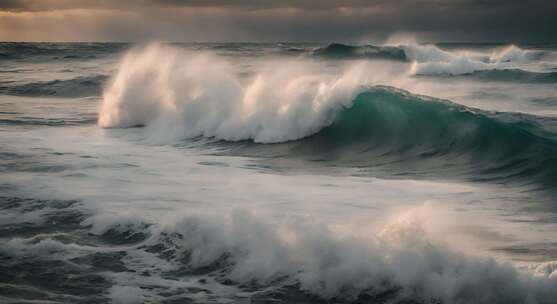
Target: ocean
x,y
278,173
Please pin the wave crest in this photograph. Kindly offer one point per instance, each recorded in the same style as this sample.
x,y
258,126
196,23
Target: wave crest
x,y
197,94
184,95
384,127
431,60
401,262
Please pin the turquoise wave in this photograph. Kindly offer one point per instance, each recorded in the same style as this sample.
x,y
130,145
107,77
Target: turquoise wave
x,y
390,130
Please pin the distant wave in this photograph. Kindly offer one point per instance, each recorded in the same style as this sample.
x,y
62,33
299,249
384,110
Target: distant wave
x,y
344,51
337,120
546,101
431,53
75,87
429,60
507,75
50,122
49,51
424,53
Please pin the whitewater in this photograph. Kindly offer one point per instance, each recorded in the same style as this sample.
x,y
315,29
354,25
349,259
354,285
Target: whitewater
x,y
289,173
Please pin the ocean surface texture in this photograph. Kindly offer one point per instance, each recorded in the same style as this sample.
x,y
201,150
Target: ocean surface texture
x,y
278,173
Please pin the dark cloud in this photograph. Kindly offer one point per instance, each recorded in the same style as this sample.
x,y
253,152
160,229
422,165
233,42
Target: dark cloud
x,y
38,5
270,20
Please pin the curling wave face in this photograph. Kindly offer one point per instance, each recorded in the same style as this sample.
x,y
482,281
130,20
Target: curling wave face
x,y
388,127
335,118
344,51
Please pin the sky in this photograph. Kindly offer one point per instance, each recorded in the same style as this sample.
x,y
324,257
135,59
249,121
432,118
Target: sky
x,y
273,20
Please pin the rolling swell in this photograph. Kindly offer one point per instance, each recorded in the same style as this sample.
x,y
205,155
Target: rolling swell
x,y
516,75
75,87
59,51
343,51
506,75
391,128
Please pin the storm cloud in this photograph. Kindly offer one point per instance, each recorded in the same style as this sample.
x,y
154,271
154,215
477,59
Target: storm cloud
x,y
269,20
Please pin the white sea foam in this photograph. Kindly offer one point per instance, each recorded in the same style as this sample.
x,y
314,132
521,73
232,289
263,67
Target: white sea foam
x,y
102,223
512,53
183,94
126,295
180,93
432,60
404,256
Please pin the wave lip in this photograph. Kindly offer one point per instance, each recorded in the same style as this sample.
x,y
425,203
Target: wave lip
x,y
242,256
197,94
431,60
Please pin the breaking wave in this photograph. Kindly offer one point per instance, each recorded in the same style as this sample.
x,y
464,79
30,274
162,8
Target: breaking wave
x,y
499,64
400,262
334,119
406,133
405,260
431,60
198,94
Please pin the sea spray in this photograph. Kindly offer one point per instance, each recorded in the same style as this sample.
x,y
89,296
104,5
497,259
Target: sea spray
x,y
431,60
178,94
402,261
192,94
